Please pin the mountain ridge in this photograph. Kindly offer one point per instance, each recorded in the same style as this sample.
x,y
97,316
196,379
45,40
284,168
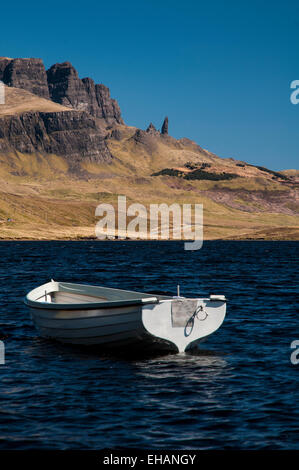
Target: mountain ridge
x,y
61,84
61,157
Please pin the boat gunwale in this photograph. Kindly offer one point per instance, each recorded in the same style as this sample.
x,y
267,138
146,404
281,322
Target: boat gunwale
x,y
88,306
147,299
143,299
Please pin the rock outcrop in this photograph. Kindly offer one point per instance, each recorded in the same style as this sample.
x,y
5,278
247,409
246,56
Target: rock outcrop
x,y
62,85
108,107
29,74
145,140
66,88
149,138
115,134
74,135
77,132
164,129
152,130
4,61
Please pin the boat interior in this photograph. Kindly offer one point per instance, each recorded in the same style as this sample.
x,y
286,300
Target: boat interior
x,y
69,293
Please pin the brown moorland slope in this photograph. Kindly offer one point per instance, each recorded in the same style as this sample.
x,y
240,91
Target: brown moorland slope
x,y
43,197
18,101
50,187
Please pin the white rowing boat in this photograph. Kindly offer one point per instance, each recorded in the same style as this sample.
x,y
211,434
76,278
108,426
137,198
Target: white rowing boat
x,y
91,315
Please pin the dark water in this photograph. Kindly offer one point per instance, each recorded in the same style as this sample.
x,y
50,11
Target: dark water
x,y
241,392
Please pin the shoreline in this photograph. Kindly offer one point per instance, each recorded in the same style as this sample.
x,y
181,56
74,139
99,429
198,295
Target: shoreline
x,y
94,239
81,233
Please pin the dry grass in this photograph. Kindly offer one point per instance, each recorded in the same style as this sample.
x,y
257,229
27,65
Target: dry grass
x,y
45,201
19,101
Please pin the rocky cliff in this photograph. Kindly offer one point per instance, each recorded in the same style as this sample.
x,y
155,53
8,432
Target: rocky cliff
x,y
74,135
29,74
76,131
68,89
62,85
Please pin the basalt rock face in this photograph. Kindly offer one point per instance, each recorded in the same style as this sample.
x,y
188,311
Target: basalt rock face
x,y
29,74
108,107
74,135
78,134
3,64
66,88
61,84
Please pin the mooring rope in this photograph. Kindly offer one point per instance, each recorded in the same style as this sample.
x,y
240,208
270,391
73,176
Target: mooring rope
x,y
195,314
190,322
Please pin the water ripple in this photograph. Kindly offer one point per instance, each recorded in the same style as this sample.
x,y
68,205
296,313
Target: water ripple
x,y
239,391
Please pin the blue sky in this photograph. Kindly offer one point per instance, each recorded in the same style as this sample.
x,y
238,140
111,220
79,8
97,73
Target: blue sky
x,y
220,70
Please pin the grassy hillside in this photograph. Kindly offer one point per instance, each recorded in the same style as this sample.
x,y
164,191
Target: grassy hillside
x,y
19,101
41,198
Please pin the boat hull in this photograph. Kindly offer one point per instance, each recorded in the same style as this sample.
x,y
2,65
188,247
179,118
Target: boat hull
x,y
159,323
205,320
90,327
